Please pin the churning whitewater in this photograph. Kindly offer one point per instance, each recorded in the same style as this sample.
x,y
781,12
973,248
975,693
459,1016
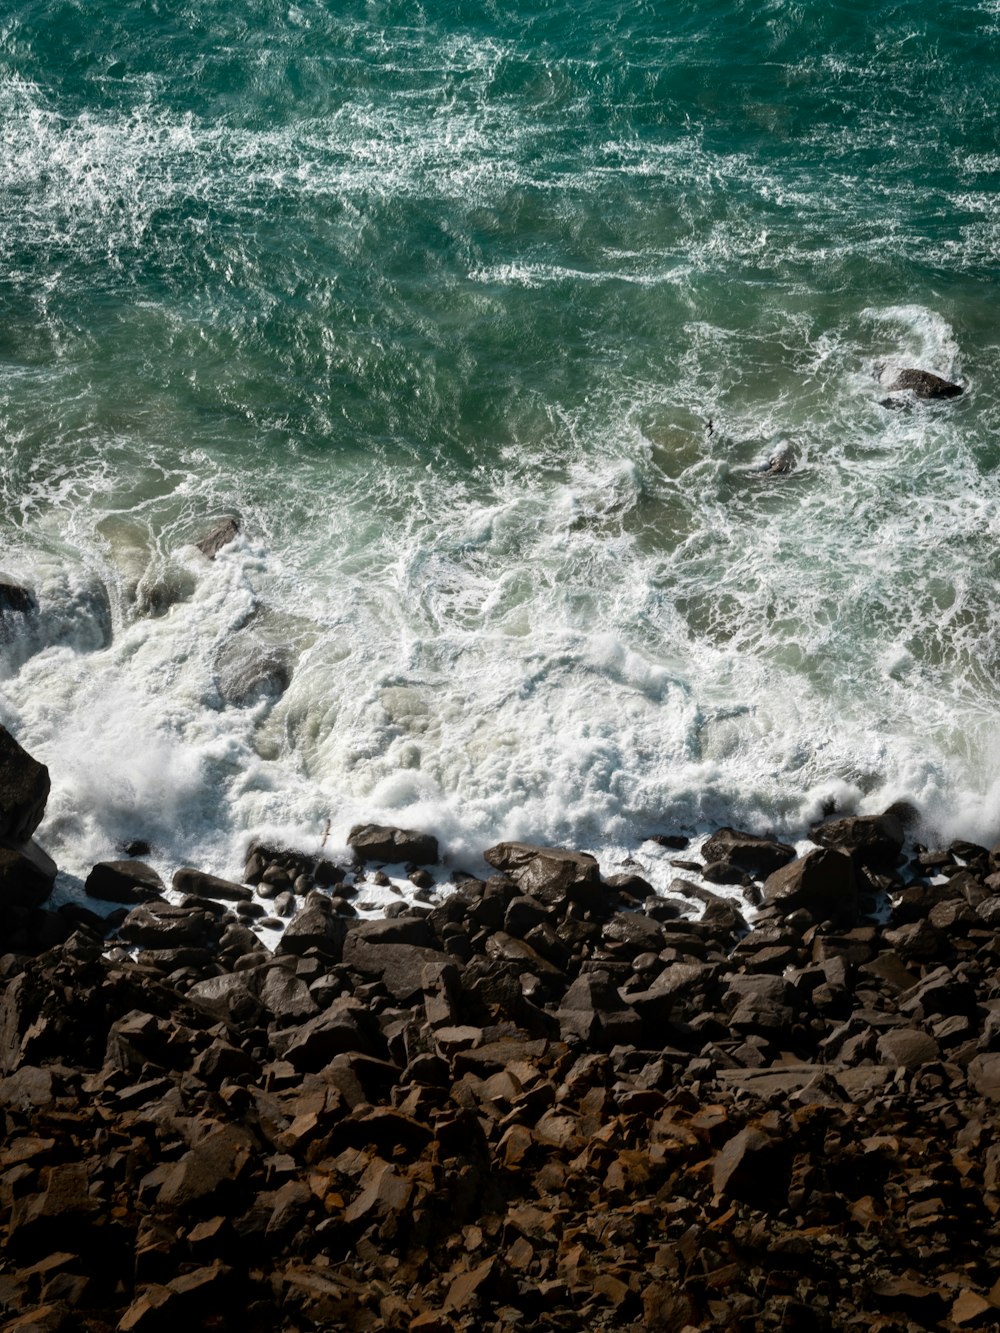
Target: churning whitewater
x,y
543,356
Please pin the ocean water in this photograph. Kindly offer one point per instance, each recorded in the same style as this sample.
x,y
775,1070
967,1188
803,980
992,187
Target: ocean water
x,y
487,320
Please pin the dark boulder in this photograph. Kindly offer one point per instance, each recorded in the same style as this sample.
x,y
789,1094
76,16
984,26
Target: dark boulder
x,y
315,927
553,874
124,882
26,875
15,597
200,885
823,882
924,385
755,854
869,840
24,789
376,842
219,537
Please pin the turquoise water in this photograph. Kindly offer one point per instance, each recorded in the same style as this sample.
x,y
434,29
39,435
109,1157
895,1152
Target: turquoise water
x,y
440,301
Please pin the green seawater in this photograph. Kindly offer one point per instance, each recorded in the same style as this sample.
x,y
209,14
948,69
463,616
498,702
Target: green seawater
x,y
487,321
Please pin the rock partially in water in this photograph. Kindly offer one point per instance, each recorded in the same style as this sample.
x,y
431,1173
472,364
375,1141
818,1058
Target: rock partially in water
x,y
226,532
124,882
250,668
15,597
375,842
922,384
24,789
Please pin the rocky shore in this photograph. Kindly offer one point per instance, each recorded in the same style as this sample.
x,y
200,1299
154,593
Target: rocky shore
x,y
545,1099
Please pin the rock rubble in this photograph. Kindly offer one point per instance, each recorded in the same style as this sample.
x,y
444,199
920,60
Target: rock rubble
x,y
544,1100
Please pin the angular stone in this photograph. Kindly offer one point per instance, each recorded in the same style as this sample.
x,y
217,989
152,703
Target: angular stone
x,y
984,1075
744,1168
399,967
924,384
869,840
26,875
551,874
200,885
755,854
24,789
217,1160
908,1047
124,882
314,927
344,1026
376,842
823,882
227,531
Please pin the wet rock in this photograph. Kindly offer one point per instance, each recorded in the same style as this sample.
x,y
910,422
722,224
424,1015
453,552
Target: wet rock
x,y
124,882
249,666
200,885
314,927
552,874
375,842
399,967
751,852
822,882
24,790
869,840
227,531
26,875
923,384
15,597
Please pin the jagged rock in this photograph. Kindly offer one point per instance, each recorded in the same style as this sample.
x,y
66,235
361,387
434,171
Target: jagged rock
x,y
164,926
923,384
552,874
823,882
344,1026
124,882
908,1047
869,840
752,853
314,927
26,875
214,1162
219,537
24,790
399,967
592,1011
375,842
745,1168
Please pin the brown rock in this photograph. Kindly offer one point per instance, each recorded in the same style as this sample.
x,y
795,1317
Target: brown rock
x,y
750,852
908,1047
200,885
216,1161
227,531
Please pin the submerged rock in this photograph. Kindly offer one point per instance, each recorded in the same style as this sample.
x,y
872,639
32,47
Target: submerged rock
x,y
249,667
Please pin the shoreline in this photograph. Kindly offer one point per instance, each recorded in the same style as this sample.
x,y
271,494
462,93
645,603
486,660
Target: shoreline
x,y
545,1096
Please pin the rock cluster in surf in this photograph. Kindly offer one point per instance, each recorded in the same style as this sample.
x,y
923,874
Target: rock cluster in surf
x,y
549,1099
